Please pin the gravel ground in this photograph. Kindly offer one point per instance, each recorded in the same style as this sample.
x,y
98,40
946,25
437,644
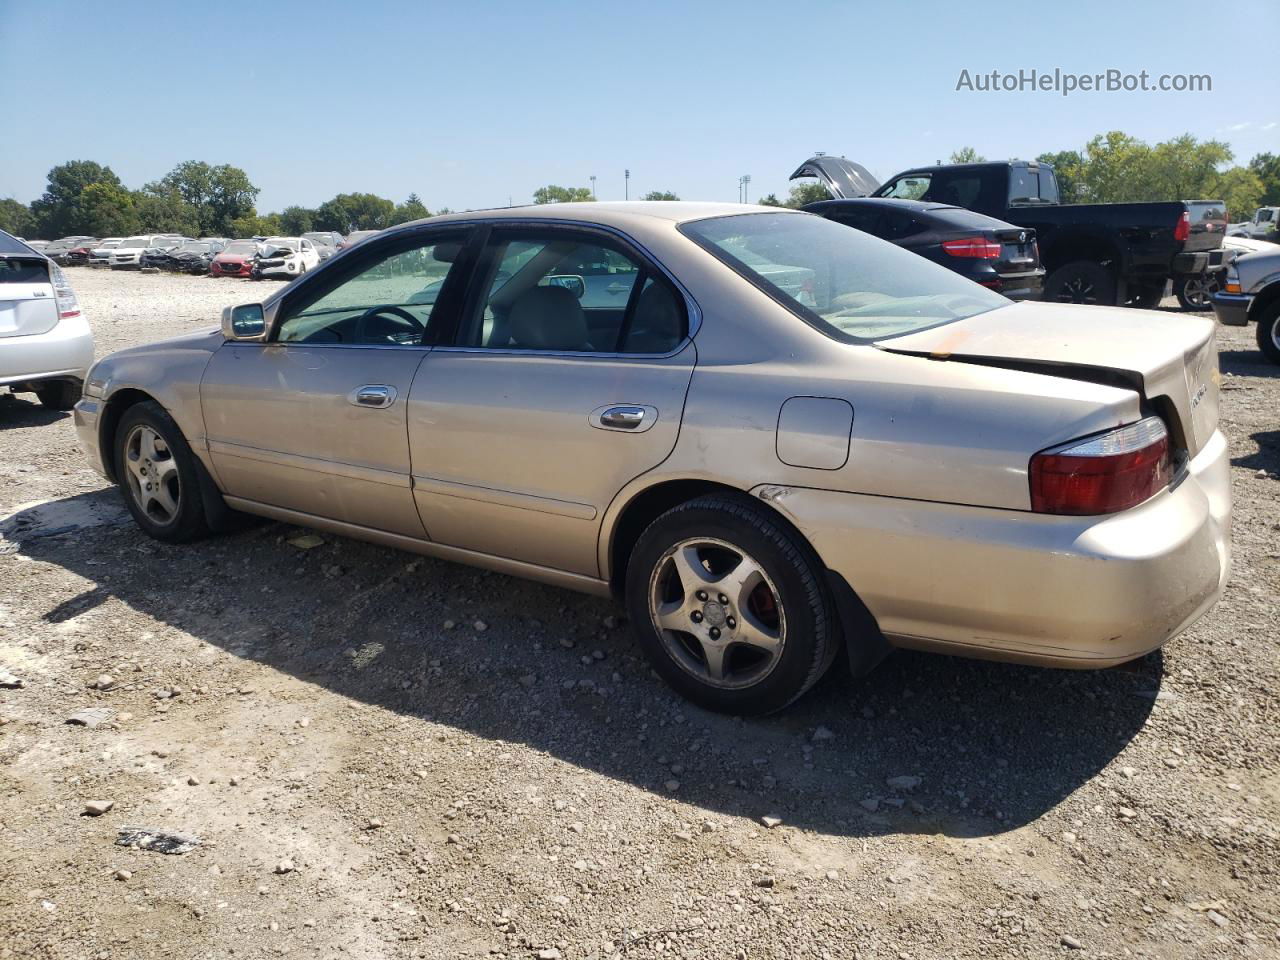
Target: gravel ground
x,y
386,756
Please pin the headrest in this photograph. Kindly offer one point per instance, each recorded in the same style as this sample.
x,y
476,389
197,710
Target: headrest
x,y
549,318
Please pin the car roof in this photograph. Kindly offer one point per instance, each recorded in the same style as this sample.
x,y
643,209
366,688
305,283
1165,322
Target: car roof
x,y
611,213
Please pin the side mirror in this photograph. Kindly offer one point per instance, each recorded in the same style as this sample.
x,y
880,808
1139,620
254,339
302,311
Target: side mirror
x,y
248,322
574,284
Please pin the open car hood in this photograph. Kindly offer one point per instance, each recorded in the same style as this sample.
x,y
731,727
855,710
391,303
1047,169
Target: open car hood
x,y
1164,355
843,178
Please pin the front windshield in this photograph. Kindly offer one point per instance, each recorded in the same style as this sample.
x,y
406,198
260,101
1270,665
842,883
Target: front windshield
x,y
134,243
278,244
241,247
195,247
848,284
325,238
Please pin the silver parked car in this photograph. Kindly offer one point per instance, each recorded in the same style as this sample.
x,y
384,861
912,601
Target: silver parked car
x,y
45,343
778,439
1251,291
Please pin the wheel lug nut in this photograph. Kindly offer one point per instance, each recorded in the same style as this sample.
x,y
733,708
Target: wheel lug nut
x,y
715,633
724,601
731,623
701,595
696,616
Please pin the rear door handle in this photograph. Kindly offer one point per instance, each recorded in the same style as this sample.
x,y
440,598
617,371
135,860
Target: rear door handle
x,y
631,417
376,395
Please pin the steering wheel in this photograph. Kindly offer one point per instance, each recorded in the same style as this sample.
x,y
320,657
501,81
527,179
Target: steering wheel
x,y
404,319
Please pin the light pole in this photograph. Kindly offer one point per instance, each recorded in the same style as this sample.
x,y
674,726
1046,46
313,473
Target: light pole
x,y
626,177
592,178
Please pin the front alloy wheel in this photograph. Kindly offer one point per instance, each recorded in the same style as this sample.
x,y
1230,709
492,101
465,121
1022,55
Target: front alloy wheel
x,y
719,615
152,474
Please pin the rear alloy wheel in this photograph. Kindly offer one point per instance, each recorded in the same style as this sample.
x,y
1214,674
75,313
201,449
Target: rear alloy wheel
x,y
1196,293
157,472
730,606
59,394
1269,332
1081,281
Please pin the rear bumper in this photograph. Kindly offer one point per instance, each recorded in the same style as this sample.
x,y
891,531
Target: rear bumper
x,y
1195,263
1232,309
1081,592
64,352
1021,286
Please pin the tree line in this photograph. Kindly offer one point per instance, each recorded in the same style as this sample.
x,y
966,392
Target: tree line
x,y
195,199
199,199
1118,168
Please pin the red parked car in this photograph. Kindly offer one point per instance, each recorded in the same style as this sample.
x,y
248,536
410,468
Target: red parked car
x,y
236,260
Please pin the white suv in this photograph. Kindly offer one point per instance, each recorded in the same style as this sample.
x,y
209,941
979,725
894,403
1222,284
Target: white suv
x,y
101,254
46,346
128,255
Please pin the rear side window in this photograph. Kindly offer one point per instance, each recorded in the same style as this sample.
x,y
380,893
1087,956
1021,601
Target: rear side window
x,y
32,270
557,291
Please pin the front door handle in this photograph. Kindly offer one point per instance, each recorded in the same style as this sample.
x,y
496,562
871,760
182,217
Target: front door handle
x,y
376,395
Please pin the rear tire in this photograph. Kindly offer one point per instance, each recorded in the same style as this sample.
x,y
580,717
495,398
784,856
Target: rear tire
x,y
731,606
59,394
1081,281
1269,332
1147,298
159,475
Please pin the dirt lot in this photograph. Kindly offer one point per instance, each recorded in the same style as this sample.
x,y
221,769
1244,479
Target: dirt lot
x,y
389,757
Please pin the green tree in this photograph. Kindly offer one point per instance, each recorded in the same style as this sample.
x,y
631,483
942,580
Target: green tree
x,y
108,210
659,195
967,155
16,218
295,221
162,209
412,209
254,225
770,200
1068,168
354,211
1240,188
1266,166
805,193
553,194
57,211
218,195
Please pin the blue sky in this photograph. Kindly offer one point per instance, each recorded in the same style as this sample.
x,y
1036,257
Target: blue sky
x,y
469,104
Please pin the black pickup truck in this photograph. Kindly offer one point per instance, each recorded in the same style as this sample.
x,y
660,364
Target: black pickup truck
x,y
1106,253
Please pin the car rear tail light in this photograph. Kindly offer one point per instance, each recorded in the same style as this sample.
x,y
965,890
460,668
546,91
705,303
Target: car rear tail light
x,y
1183,229
63,295
979,247
1103,474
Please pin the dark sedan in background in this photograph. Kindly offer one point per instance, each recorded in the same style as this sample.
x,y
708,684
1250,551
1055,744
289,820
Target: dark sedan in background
x,y
996,254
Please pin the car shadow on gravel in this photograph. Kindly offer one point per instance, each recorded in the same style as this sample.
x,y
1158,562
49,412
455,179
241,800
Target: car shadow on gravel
x,y
926,744
1268,455
1246,363
20,412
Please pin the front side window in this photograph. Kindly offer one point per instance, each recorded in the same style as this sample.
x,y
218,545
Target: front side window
x,y
561,292
851,286
387,301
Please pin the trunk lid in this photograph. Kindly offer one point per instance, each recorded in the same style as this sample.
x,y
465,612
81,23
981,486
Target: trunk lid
x,y
843,178
1208,221
1171,360
27,303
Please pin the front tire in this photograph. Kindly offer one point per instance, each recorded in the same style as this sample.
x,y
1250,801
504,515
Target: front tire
x,y
1269,332
158,475
1081,281
731,606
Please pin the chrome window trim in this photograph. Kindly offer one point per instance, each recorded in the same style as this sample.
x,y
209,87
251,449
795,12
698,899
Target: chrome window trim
x,y
576,354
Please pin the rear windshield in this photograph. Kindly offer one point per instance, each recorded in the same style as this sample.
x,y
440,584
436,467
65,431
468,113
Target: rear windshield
x,y
965,219
850,285
33,270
